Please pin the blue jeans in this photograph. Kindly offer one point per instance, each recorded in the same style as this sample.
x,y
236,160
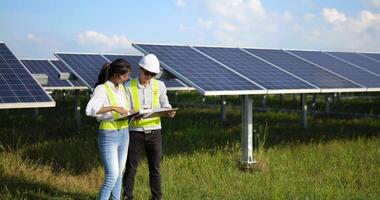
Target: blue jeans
x,y
113,150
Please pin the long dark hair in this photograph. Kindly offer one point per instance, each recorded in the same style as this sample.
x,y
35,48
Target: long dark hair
x,y
117,67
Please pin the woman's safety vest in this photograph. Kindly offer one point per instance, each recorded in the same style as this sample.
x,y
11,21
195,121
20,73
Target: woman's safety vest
x,y
154,121
115,124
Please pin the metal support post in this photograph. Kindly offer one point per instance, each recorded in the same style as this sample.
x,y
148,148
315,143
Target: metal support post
x,y
303,111
264,101
327,102
247,130
222,108
77,111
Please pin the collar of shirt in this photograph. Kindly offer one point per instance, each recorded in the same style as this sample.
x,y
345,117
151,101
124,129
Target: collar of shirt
x,y
109,83
141,86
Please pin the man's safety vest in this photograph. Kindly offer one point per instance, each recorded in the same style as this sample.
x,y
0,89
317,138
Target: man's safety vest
x,y
154,121
115,124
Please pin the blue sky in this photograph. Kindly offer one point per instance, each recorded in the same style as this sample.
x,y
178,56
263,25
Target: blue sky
x,y
38,28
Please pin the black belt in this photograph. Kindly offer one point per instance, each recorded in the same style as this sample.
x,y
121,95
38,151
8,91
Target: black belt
x,y
148,131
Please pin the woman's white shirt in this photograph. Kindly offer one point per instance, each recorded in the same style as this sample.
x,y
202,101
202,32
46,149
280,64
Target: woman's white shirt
x,y
99,99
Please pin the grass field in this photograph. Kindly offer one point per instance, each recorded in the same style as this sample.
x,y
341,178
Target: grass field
x,y
45,157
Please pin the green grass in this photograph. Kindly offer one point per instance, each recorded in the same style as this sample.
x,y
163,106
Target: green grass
x,y
335,158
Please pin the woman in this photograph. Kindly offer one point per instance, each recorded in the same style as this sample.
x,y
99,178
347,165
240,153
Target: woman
x,y
109,104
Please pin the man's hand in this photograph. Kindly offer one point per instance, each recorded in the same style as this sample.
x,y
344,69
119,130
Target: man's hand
x,y
171,114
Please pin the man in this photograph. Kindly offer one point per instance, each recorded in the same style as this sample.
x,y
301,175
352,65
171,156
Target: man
x,y
146,93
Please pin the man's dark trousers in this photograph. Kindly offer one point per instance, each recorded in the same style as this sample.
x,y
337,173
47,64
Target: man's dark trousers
x,y
152,143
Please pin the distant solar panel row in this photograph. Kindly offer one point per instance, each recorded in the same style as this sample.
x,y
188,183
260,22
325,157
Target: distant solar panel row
x,y
133,60
18,89
217,70
62,68
45,67
87,66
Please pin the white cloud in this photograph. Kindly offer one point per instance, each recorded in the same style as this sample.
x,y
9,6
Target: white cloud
x,y
373,3
93,37
30,36
205,24
309,16
249,23
287,16
355,33
240,10
180,3
333,16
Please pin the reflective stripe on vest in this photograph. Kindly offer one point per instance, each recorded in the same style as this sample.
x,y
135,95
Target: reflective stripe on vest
x,y
113,125
154,121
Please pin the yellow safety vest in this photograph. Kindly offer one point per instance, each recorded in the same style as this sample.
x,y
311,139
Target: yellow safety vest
x,y
116,124
154,121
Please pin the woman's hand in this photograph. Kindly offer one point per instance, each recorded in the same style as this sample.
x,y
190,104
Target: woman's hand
x,y
120,110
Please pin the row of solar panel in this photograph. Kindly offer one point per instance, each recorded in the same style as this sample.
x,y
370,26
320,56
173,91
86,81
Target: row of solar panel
x,y
224,71
86,67
212,70
53,69
18,88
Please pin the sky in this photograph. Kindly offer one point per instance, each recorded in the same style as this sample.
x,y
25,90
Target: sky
x,y
38,28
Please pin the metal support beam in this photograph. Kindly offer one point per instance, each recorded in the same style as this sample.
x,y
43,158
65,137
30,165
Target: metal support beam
x,y
327,102
222,108
303,111
247,130
264,101
36,113
314,101
281,99
77,110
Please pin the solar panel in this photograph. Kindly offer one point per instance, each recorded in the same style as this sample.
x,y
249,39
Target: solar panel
x,y
85,66
327,81
200,72
133,60
341,68
359,60
18,89
374,56
263,73
61,67
45,67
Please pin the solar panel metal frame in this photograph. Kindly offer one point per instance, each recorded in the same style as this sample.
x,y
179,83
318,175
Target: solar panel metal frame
x,y
367,56
322,90
71,87
72,70
28,104
369,89
189,82
74,87
361,89
270,91
183,88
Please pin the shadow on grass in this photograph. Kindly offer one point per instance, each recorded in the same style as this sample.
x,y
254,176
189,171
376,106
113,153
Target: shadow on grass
x,y
18,188
74,155
202,130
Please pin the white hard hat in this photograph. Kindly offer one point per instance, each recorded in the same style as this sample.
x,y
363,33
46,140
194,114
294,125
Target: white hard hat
x,y
150,63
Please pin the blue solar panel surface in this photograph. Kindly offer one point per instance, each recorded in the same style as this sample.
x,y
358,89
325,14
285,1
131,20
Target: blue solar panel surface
x,y
200,71
64,69
45,67
85,66
255,69
302,69
134,60
339,67
359,60
16,84
374,56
